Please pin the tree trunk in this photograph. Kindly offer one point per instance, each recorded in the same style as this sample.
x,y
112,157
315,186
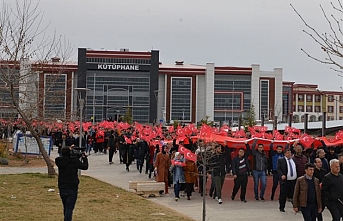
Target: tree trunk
x,y
204,193
46,157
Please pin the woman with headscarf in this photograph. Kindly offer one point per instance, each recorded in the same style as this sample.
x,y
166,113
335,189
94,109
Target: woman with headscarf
x,y
162,165
176,168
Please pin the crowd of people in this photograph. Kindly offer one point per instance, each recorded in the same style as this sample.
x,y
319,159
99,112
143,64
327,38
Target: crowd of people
x,y
308,177
313,172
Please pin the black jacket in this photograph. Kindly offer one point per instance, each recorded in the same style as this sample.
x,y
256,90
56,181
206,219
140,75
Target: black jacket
x,y
332,187
67,171
218,164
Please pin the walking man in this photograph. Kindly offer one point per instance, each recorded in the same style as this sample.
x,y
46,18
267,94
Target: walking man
x,y
240,171
307,195
260,165
332,189
288,175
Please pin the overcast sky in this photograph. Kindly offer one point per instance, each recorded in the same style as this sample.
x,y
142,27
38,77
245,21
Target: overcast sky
x,y
226,32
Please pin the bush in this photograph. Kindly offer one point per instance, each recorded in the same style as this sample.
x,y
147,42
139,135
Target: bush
x,y
3,150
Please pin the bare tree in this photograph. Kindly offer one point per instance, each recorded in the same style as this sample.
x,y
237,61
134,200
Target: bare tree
x,y
25,53
330,42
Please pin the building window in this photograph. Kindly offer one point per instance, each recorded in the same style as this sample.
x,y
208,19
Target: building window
x,y
181,94
264,98
294,108
317,98
317,109
330,109
330,118
341,98
340,109
330,98
300,108
340,118
309,98
55,95
308,108
300,97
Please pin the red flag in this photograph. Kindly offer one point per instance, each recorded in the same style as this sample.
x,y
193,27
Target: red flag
x,y
127,140
178,163
339,135
171,129
182,149
190,156
306,140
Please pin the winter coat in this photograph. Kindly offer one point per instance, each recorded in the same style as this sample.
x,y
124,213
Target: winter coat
x,y
178,173
301,193
191,172
128,153
68,171
162,164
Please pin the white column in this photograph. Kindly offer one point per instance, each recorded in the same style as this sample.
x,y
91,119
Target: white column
x,y
209,96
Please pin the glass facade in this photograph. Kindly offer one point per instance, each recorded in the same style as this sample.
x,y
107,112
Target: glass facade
x,y
118,60
5,96
114,92
264,99
55,88
181,98
231,92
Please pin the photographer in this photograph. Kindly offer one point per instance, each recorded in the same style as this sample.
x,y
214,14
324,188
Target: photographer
x,y
68,180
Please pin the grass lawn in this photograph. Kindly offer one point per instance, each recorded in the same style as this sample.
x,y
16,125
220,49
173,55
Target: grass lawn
x,y
26,197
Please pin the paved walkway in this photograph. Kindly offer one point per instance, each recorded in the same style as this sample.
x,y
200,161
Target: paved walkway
x,y
116,174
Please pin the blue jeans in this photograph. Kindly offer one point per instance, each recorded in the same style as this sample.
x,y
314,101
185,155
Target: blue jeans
x,y
68,197
259,175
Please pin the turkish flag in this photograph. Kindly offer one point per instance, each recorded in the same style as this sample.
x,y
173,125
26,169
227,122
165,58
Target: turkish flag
x,y
127,140
306,140
171,129
178,163
339,135
190,156
182,149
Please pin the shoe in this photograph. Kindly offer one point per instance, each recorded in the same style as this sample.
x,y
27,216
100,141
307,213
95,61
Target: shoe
x,y
216,198
256,198
127,169
244,200
262,199
282,210
176,198
111,163
220,201
272,198
188,198
232,198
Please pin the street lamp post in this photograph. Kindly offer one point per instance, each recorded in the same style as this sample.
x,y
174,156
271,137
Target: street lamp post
x,y
81,94
233,91
93,121
117,111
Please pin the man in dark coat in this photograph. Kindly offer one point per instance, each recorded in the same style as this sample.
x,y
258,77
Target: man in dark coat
x,y
68,180
288,174
240,171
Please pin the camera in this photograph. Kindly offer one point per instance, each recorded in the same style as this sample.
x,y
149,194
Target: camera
x,y
77,152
